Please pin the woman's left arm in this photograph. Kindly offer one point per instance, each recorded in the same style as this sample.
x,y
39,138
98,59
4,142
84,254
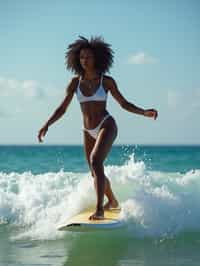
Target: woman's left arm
x,y
127,105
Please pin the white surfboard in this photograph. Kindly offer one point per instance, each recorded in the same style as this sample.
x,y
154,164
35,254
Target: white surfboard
x,y
81,222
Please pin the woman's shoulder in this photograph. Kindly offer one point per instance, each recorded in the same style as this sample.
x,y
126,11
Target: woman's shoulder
x,y
75,78
109,80
72,85
107,77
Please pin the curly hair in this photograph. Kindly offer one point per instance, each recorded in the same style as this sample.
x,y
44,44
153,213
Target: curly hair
x,y
103,54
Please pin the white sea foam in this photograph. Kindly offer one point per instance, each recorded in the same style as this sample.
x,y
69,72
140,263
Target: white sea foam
x,y
153,203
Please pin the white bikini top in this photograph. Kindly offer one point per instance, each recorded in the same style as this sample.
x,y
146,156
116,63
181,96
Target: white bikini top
x,y
100,94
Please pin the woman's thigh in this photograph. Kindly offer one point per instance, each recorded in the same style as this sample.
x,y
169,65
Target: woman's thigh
x,y
104,141
89,143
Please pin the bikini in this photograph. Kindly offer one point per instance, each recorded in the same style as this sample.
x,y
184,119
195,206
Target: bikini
x,y
100,95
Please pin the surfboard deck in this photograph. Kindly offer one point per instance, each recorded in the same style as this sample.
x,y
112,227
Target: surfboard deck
x,y
81,221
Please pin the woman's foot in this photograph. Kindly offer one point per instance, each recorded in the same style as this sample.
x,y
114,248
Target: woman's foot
x,y
111,205
97,215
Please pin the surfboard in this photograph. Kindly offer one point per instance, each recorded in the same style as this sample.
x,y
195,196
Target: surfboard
x,y
81,221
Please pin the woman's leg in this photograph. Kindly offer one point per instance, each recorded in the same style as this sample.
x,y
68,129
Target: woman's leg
x,y
112,201
89,143
102,146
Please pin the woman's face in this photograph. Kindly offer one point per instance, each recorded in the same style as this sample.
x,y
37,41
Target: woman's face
x,y
87,59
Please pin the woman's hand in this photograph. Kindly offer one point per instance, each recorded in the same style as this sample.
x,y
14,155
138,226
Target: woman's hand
x,y
151,113
42,132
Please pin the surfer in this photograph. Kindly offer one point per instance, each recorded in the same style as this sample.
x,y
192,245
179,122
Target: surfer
x,y
90,60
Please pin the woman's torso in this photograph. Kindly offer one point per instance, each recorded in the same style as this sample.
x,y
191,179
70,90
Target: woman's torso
x,y
92,101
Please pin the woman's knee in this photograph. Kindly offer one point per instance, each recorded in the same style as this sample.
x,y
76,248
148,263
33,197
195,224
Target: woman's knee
x,y
95,161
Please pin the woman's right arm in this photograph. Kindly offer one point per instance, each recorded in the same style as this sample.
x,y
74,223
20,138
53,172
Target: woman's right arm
x,y
60,110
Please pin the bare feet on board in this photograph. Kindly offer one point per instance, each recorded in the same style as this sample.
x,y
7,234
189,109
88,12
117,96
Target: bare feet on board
x,y
97,215
111,205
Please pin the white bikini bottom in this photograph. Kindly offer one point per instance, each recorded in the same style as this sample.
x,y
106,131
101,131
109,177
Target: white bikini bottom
x,y
94,132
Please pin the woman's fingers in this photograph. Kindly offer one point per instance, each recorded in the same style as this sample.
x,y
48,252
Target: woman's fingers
x,y
40,136
155,114
151,113
42,133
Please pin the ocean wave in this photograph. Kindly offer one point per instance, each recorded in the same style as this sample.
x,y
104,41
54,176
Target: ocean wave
x,y
154,204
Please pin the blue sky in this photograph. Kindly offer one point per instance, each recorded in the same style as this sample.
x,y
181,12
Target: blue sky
x,y
156,65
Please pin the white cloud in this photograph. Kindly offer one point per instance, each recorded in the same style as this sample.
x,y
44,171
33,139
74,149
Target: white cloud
x,y
20,98
142,58
24,88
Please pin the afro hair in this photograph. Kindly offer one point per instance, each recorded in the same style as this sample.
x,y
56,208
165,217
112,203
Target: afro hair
x,y
103,54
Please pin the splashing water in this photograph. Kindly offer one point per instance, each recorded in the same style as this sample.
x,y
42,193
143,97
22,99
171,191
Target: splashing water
x,y
154,204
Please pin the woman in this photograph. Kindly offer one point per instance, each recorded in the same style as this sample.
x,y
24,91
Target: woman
x,y
90,60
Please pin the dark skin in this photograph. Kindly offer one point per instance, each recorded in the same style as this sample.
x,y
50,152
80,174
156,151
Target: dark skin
x,y
93,112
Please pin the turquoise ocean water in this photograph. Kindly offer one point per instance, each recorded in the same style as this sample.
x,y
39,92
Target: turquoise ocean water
x,y
158,188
